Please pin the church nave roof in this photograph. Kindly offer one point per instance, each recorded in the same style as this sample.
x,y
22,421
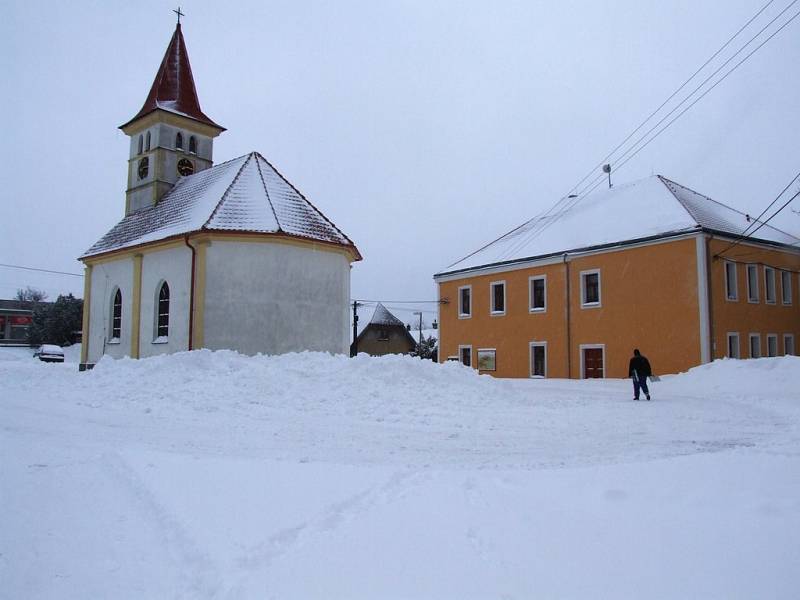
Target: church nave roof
x,y
246,194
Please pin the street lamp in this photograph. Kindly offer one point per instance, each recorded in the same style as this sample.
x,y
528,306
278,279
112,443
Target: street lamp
x,y
419,346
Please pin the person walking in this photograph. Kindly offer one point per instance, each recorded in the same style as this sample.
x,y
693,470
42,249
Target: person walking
x,y
639,370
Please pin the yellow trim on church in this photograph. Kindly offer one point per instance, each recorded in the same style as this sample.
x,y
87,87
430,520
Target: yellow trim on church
x,y
136,310
87,295
198,331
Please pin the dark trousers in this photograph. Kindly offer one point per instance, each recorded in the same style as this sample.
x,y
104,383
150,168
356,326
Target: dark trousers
x,y
640,383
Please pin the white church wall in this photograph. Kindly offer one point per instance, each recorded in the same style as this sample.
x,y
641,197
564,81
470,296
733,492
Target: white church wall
x,y
172,265
275,297
106,278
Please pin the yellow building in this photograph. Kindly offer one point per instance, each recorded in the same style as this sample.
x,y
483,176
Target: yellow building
x,y
650,265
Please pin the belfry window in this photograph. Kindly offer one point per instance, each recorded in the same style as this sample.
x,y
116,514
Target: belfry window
x,y
141,142
162,320
178,141
116,316
147,142
192,144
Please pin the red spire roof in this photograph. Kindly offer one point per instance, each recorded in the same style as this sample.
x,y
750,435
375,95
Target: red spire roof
x,y
173,88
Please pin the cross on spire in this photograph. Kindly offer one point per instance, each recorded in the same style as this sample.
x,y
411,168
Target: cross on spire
x,y
180,14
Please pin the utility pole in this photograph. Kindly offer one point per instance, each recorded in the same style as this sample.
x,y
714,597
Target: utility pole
x,y
419,347
354,349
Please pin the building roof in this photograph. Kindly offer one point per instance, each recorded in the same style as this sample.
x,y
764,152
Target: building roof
x,y
18,305
173,88
384,318
246,194
653,207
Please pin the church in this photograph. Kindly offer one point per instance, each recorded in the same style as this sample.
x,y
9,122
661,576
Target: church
x,y
226,256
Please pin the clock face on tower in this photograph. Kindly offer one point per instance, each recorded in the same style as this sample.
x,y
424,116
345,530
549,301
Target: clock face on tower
x,y
185,167
144,167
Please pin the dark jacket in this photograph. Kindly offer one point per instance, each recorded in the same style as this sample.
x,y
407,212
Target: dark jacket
x,y
641,366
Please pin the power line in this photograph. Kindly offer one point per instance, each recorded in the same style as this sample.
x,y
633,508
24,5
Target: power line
x,y
566,203
40,270
696,100
675,93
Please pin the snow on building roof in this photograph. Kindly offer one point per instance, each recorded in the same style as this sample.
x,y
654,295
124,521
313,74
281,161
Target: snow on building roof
x,y
173,88
383,317
648,208
245,194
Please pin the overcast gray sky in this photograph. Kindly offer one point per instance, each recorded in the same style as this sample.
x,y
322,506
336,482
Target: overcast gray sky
x,y
422,129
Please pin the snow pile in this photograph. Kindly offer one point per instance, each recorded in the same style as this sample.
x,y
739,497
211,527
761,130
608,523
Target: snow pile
x,y
315,476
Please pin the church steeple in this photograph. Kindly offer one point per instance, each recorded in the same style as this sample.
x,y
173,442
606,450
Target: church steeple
x,y
170,136
173,88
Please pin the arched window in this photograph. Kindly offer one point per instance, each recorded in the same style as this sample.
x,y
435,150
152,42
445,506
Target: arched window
x,y
178,141
162,322
141,141
147,142
116,316
192,145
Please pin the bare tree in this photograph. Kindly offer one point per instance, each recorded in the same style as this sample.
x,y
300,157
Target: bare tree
x,y
31,294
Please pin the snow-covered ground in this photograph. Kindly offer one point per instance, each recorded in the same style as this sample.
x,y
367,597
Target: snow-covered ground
x,y
214,475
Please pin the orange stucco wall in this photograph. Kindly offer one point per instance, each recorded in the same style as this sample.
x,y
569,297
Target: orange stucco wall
x,y
743,317
649,300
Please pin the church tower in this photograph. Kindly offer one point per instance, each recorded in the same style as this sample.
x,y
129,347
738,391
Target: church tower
x,y
170,136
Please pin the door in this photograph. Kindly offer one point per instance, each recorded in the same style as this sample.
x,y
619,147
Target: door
x,y
592,363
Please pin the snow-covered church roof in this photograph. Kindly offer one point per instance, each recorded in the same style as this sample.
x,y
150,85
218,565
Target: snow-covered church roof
x,y
649,208
246,194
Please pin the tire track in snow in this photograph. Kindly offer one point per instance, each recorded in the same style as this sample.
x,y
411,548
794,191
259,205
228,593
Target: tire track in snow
x,y
200,575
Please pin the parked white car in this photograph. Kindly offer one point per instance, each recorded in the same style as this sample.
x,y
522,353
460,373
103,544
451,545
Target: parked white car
x,y
49,353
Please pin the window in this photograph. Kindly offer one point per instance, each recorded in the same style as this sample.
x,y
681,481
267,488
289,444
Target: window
x,y
733,345
147,142
538,293
116,316
731,291
752,283
487,359
772,344
755,345
383,335
192,144
590,288
786,287
769,285
162,323
788,344
465,301
178,141
465,355
141,143
497,292
538,359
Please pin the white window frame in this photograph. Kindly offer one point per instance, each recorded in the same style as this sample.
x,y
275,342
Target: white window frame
x,y
492,311
772,336
111,339
531,346
733,335
786,277
735,297
460,348
599,302
531,279
461,313
767,287
750,338
583,347
788,336
753,298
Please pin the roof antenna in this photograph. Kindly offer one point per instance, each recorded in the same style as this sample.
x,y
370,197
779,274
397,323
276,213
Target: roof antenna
x,y
607,169
180,14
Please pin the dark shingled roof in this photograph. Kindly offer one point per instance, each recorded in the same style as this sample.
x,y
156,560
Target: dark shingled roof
x,y
245,194
173,88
